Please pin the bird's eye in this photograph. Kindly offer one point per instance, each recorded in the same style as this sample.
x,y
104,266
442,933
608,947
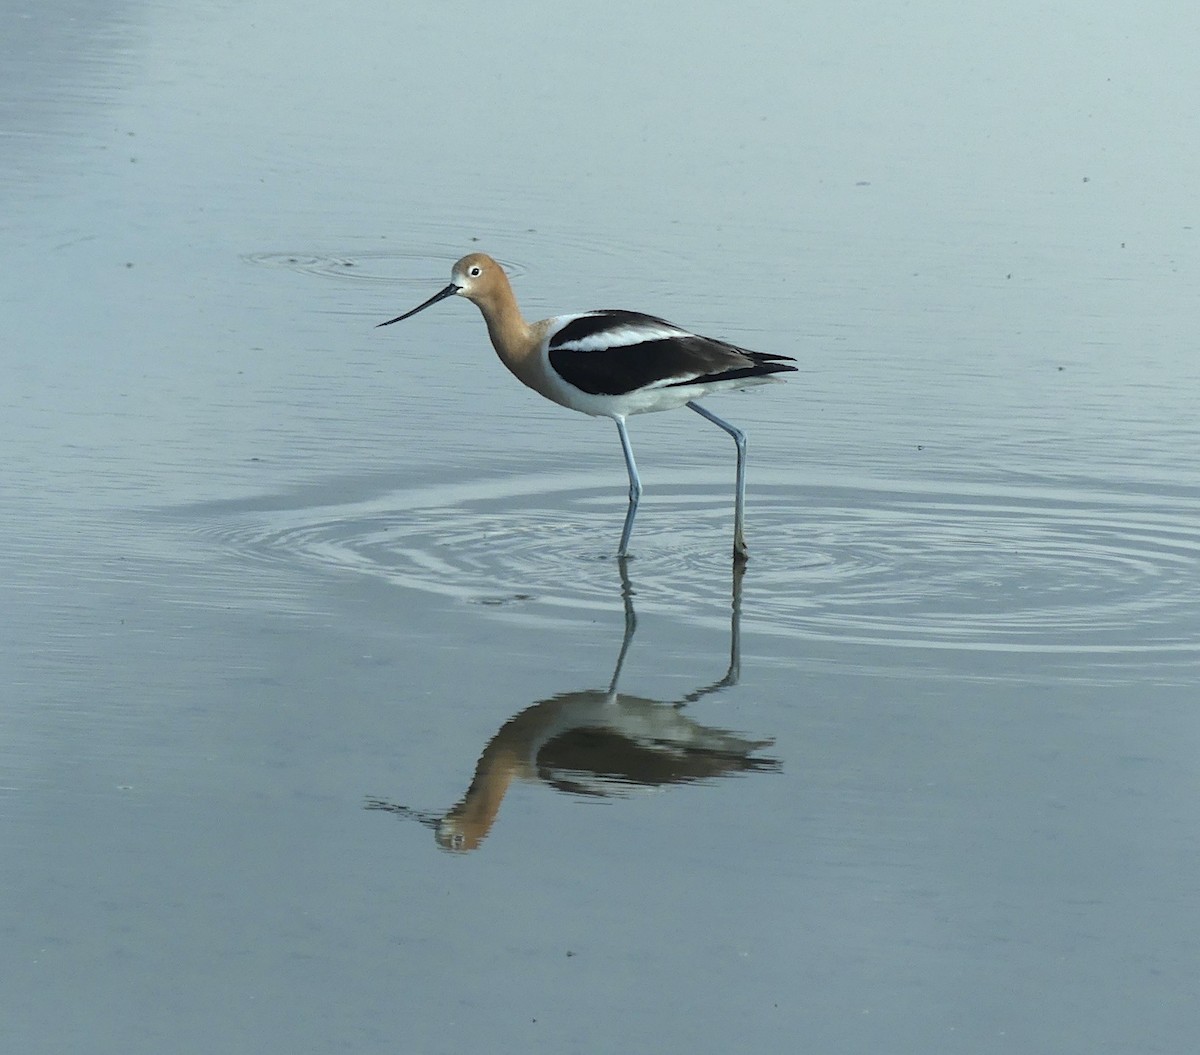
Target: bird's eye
x,y
476,271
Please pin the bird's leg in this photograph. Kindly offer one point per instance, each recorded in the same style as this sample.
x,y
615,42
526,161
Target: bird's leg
x,y
635,488
740,552
630,624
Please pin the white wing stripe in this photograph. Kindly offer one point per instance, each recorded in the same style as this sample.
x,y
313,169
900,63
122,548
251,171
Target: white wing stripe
x,y
622,337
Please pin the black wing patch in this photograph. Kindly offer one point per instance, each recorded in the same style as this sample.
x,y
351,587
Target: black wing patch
x,y
763,363
669,362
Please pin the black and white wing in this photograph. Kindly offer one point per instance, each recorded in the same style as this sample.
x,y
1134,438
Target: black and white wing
x,y
614,352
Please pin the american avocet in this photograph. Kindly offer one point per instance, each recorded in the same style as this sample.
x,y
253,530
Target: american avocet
x,y
612,364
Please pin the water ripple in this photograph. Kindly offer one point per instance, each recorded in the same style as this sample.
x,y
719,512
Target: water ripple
x,y
1033,569
397,266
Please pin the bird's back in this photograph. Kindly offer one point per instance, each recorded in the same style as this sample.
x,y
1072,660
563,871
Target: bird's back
x,y
614,352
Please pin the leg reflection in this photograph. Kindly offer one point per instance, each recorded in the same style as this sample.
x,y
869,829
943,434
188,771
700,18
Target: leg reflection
x,y
600,743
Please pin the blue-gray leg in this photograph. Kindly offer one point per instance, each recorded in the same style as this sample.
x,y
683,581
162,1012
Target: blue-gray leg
x,y
635,488
740,552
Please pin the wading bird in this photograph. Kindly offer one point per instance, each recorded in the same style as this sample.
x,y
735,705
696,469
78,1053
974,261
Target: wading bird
x,y
611,364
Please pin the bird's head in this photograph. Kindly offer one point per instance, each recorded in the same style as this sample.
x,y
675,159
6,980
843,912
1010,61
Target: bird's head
x,y
476,276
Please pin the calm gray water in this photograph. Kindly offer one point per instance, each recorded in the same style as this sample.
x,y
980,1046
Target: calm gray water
x,y
328,721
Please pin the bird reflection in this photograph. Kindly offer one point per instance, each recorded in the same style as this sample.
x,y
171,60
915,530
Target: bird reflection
x,y
600,743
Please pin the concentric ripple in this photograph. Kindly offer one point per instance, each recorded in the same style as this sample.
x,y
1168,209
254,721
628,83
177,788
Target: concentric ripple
x,y
390,265
1038,569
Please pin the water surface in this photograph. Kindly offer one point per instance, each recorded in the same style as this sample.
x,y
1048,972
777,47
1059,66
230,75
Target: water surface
x,y
329,721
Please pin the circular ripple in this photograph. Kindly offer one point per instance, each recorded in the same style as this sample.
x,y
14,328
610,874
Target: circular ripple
x,y
1023,571
393,266
1032,569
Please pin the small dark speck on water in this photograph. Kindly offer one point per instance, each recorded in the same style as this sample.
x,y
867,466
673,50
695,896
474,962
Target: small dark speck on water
x,y
1062,368
1087,179
863,183
129,263
495,602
